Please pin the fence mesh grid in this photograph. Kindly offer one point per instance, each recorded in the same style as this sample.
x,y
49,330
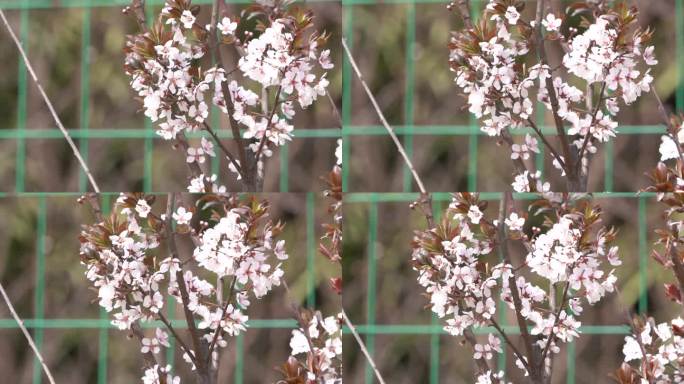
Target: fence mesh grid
x,y
407,131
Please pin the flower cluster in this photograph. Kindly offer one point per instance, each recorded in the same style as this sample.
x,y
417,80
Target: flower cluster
x,y
160,375
281,60
459,268
235,242
319,340
500,65
659,350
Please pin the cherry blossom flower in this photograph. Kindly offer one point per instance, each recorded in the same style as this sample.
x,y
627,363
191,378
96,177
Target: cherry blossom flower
x,y
195,155
489,377
512,15
552,23
152,375
515,222
227,26
188,19
182,216
142,208
486,351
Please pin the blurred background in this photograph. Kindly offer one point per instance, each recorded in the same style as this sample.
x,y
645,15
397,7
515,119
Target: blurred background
x,y
401,49
76,47
40,269
386,303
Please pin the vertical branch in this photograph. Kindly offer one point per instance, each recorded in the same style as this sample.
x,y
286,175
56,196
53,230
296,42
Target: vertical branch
x,y
533,363
203,369
248,179
464,10
249,182
55,117
573,181
137,7
26,333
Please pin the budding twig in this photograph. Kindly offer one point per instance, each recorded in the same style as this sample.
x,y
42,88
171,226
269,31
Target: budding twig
x,y
29,67
27,335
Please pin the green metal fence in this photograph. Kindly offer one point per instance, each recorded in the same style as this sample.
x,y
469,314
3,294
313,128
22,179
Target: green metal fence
x,y
370,329
39,323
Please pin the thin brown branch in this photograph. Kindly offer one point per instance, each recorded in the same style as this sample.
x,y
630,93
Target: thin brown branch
x,y
510,343
378,111
578,164
336,112
553,98
201,361
223,148
262,143
464,10
556,320
362,346
27,335
548,145
178,338
214,338
248,180
533,364
213,36
482,364
55,117
137,9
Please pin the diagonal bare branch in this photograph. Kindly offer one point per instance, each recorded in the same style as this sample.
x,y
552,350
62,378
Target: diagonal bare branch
x,y
26,332
389,129
369,358
29,67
